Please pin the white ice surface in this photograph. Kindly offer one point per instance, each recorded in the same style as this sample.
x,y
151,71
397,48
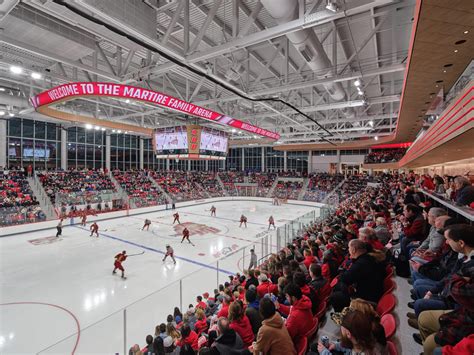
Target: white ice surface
x,y
75,272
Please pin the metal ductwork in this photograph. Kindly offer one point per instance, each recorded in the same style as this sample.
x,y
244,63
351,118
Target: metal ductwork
x,y
308,44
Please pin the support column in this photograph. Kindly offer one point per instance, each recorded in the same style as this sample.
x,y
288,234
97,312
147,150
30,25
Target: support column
x,y
285,161
310,161
107,151
63,148
243,159
263,159
206,166
189,164
141,154
3,143
338,161
167,164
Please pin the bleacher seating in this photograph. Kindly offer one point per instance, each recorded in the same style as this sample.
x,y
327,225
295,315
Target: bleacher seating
x,y
139,188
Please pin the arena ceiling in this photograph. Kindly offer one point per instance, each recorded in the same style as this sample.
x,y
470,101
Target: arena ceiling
x,y
235,53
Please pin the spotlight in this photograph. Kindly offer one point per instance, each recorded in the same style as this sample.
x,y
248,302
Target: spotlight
x,y
2,113
357,83
11,114
36,76
16,69
371,123
360,92
376,138
2,89
113,131
234,130
119,131
127,101
97,128
332,6
466,32
102,129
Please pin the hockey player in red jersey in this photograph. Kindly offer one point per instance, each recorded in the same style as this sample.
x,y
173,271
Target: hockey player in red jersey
x,y
176,218
94,229
186,236
119,259
170,253
243,220
271,222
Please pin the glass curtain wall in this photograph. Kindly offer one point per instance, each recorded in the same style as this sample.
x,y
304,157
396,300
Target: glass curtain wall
x,y
150,161
85,148
34,143
253,159
274,160
124,152
234,159
297,161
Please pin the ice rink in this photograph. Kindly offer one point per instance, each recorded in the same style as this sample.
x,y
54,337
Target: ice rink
x,y
51,287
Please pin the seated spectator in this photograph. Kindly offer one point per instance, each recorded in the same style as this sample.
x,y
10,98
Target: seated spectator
x,y
200,303
224,311
381,230
228,341
365,276
188,337
369,236
318,283
240,323
464,191
265,286
299,317
357,336
273,337
201,323
413,230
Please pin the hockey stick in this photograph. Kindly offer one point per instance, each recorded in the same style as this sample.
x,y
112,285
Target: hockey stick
x,y
143,252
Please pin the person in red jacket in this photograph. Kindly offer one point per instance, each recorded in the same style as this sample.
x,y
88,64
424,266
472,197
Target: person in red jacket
x,y
265,286
308,258
465,346
224,311
369,236
201,324
200,303
299,319
240,323
189,337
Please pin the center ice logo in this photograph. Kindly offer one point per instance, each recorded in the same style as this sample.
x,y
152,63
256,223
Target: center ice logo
x,y
195,228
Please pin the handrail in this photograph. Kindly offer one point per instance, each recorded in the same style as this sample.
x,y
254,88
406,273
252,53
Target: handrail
x,y
463,211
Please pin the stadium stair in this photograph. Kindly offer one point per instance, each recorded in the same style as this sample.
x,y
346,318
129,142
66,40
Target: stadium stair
x,y
272,189
221,184
153,181
43,199
303,189
121,191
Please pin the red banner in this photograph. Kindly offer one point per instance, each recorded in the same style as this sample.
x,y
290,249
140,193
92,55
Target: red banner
x,y
74,90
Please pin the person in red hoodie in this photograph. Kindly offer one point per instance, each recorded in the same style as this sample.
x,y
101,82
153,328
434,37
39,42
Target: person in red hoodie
x,y
240,323
200,303
188,336
224,312
265,286
299,320
308,258
201,324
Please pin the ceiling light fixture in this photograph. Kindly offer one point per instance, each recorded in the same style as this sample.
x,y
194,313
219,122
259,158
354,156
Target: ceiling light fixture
x,y
102,129
36,76
455,51
234,130
376,138
97,128
466,32
88,126
371,123
119,131
16,69
2,113
357,83
2,89
113,131
11,114
332,6
127,101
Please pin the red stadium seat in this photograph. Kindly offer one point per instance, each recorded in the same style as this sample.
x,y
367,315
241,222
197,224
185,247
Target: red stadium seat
x,y
389,270
388,286
326,291
321,311
386,304
313,330
303,346
389,324
392,349
334,282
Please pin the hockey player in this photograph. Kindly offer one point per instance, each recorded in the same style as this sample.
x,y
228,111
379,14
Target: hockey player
x,y
170,253
176,218
59,228
186,236
213,211
243,220
119,259
94,229
271,222
147,224
84,218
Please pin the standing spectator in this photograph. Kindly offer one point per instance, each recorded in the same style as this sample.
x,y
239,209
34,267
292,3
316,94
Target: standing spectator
x,y
300,318
253,260
240,323
273,337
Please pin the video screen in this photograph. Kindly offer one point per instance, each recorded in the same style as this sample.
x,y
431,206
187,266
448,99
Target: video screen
x,y
213,142
171,140
36,153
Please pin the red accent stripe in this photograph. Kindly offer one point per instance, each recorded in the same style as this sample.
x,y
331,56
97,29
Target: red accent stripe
x,y
59,307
